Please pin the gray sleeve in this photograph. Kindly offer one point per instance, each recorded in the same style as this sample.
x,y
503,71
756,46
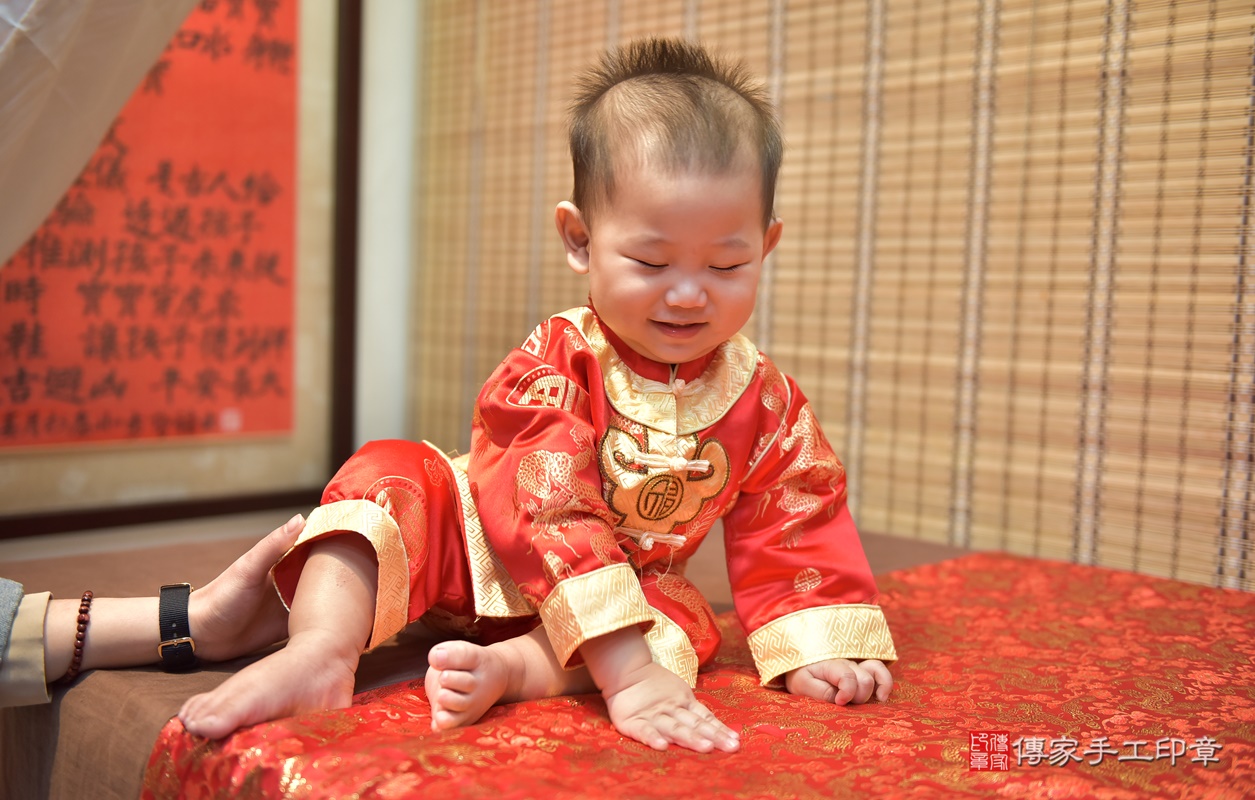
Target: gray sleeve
x,y
10,597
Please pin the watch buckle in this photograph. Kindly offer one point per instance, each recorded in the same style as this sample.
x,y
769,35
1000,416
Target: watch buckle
x,y
161,648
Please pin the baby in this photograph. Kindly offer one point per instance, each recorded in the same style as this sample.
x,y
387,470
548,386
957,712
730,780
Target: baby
x,y
604,449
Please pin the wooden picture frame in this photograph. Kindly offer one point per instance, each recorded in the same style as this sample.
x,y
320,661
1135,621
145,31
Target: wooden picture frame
x,y
328,139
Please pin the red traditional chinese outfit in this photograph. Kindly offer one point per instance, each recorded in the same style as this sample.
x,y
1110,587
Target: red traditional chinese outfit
x,y
594,474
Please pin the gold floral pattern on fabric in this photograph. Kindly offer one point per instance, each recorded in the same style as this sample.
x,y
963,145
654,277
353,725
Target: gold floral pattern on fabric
x,y
574,339
775,396
813,466
483,433
631,428
989,642
545,387
549,489
537,340
556,568
496,593
807,580
688,473
700,404
405,502
369,520
606,547
593,604
854,631
293,784
680,589
672,649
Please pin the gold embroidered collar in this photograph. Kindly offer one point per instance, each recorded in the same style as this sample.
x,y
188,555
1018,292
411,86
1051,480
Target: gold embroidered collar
x,y
679,408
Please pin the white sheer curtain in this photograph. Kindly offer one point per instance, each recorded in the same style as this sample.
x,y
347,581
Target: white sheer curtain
x,y
66,69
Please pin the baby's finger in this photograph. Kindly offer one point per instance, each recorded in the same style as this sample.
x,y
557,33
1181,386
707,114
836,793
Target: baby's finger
x,y
709,725
680,727
866,685
643,731
846,681
882,677
709,731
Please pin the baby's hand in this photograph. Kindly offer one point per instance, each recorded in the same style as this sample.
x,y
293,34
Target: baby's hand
x,y
841,681
655,706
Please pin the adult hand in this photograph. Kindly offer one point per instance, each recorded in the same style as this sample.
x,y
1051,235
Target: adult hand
x,y
239,611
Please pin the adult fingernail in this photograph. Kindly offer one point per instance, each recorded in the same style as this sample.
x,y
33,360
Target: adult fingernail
x,y
296,520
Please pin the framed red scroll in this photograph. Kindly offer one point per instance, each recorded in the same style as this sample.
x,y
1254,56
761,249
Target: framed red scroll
x,y
167,335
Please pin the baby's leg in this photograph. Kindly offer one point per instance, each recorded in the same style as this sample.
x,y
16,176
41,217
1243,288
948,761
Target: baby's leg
x,y
329,625
465,680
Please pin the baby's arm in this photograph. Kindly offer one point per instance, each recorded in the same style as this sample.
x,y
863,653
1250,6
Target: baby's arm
x,y
841,681
648,702
801,583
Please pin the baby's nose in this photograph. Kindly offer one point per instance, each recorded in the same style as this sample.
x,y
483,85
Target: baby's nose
x,y
686,294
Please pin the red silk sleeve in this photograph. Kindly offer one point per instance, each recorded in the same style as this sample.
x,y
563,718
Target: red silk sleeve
x,y
534,466
795,562
791,542
537,483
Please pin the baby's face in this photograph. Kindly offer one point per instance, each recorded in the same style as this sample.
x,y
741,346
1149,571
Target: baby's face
x,y
673,260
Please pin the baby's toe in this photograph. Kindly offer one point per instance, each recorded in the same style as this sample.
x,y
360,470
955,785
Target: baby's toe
x,y
443,720
453,701
458,681
457,655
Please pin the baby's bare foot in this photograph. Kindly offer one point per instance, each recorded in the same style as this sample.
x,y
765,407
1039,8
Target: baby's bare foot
x,y
464,681
300,677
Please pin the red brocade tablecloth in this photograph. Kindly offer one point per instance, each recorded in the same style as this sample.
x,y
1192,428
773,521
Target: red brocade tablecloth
x,y
1105,684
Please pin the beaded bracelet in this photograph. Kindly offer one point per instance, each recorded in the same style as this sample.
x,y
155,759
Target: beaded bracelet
x,y
80,636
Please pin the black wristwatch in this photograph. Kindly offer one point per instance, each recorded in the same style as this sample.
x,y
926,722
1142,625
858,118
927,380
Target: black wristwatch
x,y
177,649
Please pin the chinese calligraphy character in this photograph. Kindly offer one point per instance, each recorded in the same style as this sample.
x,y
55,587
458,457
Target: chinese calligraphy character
x,y
1062,751
1030,750
1100,748
1206,748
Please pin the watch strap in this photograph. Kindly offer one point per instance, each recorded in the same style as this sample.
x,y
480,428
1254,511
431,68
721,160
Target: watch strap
x,y
177,649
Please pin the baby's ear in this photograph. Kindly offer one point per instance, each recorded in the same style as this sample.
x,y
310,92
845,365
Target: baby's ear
x,y
771,237
574,235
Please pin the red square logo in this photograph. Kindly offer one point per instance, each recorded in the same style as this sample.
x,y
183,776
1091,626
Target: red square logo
x,y
989,751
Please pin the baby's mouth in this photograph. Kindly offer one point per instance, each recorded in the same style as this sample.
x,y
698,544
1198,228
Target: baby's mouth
x,y
679,328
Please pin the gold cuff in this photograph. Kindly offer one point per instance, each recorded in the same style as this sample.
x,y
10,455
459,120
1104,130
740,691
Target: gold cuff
x,y
392,600
671,648
855,631
591,605
496,593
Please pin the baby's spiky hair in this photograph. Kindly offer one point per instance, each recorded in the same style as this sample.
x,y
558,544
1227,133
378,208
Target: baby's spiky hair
x,y
668,103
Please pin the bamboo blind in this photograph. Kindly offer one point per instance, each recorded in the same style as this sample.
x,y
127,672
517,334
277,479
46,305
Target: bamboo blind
x,y
1017,279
